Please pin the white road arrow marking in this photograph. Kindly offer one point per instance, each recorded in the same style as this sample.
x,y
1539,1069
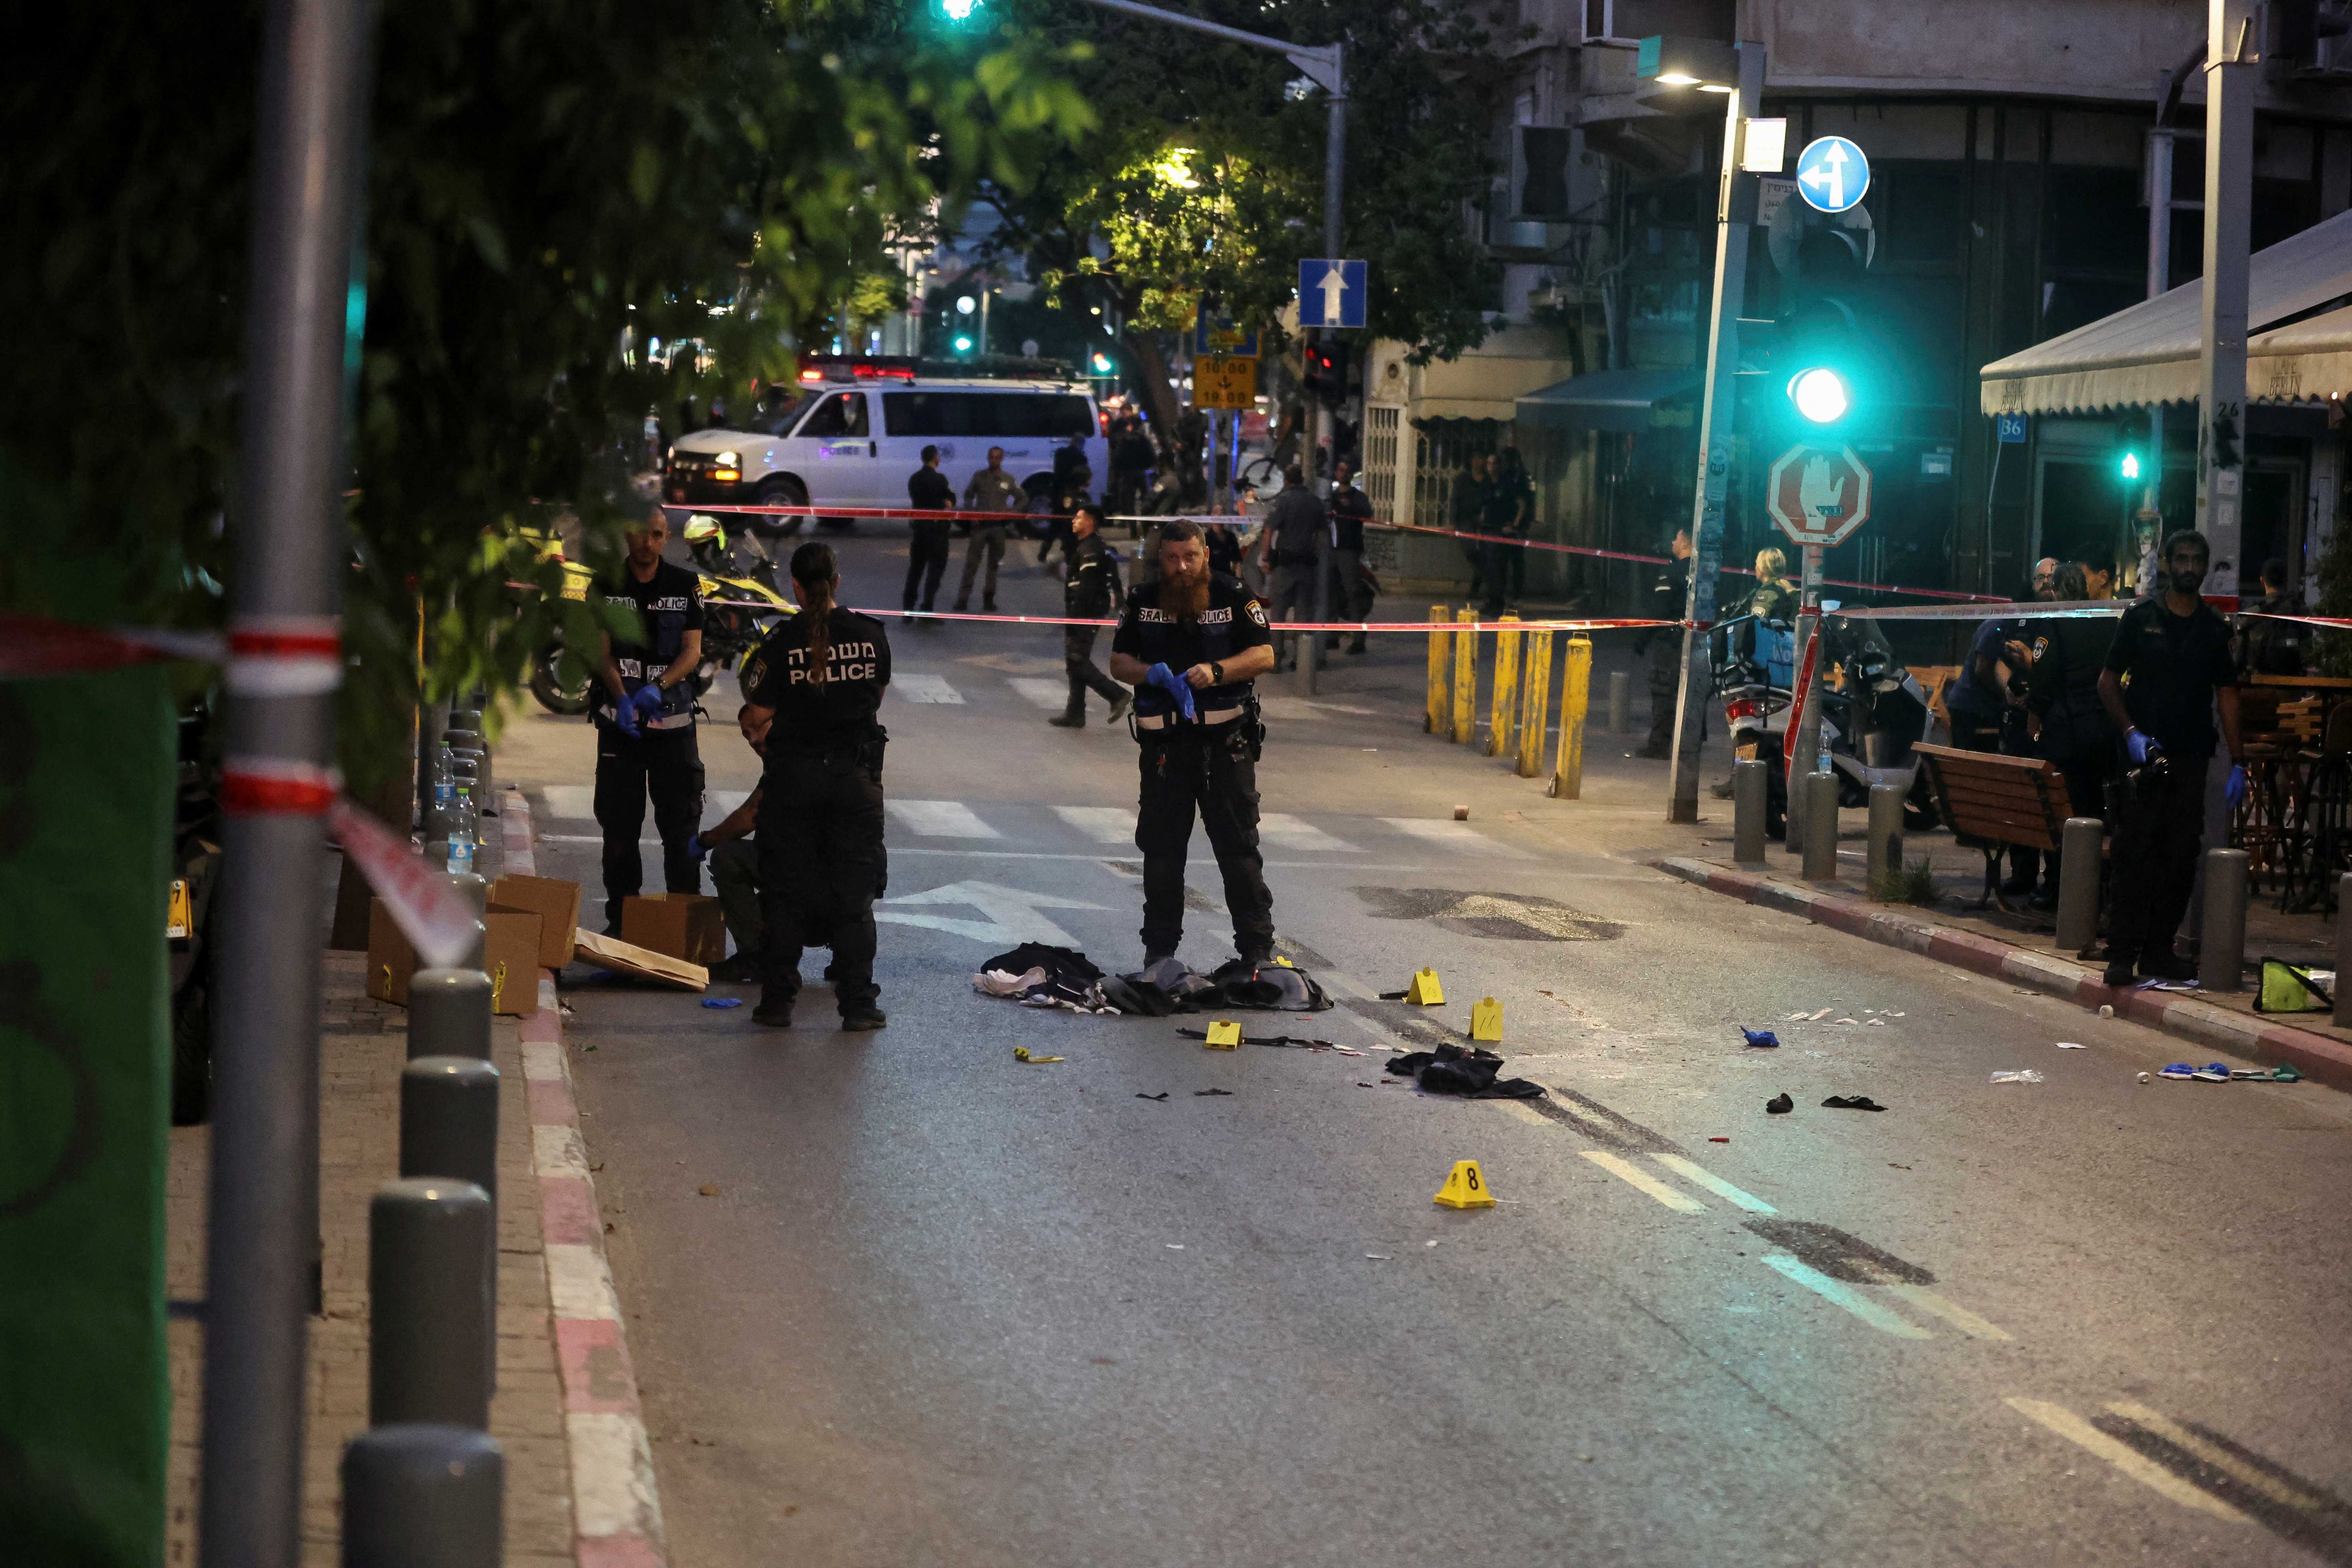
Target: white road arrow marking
x,y
1012,913
1335,290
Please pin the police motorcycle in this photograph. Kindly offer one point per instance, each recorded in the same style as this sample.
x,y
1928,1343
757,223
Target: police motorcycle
x,y
1873,712
738,611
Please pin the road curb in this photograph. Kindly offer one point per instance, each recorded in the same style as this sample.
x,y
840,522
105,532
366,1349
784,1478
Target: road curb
x,y
615,1506
2315,1057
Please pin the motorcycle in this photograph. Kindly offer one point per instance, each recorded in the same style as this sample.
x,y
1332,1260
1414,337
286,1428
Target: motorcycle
x,y
739,611
1873,712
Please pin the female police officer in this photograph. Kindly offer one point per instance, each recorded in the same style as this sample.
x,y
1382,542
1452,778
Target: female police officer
x,y
820,676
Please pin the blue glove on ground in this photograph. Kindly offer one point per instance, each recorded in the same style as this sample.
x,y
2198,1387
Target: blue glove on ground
x,y
1175,685
2140,747
2235,789
696,849
647,700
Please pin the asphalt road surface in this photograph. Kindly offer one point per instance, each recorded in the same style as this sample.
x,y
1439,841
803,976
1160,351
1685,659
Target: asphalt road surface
x,y
945,1307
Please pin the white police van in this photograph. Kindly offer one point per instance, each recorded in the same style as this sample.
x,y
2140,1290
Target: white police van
x,y
851,440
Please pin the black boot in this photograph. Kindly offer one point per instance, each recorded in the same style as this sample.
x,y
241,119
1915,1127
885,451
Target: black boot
x,y
1075,719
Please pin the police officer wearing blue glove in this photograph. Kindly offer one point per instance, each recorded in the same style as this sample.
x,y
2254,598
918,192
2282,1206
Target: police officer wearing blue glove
x,y
1190,643
2168,670
644,722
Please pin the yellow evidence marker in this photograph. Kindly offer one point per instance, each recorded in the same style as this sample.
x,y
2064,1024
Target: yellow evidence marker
x,y
1424,991
1021,1053
1465,1188
1487,1020
1224,1034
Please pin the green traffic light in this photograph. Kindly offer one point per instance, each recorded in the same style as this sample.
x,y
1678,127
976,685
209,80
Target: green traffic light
x,y
959,10
2131,465
964,346
1819,395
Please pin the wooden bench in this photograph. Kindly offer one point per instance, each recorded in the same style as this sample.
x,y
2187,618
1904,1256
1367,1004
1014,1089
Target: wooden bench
x,y
1991,802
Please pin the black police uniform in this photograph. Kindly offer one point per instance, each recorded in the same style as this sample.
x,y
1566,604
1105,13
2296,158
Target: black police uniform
x,y
1207,763
1669,600
928,490
2170,666
1089,588
821,857
662,759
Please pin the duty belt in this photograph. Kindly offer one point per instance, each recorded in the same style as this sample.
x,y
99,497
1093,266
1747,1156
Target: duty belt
x,y
1208,717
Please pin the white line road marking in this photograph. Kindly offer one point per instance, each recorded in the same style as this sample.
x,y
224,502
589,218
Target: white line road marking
x,y
1052,694
576,802
1351,866
1455,836
2139,1467
923,688
1847,1297
1690,1170
1284,831
1012,913
1103,824
1291,708
1645,1182
940,819
1952,1312
2213,1454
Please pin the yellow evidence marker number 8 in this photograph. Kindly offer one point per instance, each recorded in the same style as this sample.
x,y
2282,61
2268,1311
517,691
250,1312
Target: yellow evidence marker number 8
x,y
1465,1188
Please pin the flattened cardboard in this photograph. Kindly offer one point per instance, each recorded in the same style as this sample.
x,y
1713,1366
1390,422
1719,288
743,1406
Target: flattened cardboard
x,y
510,952
623,959
391,961
689,926
557,904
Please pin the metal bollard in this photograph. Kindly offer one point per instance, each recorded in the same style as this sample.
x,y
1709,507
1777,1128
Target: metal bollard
x,y
1505,700
2343,1019
1575,697
476,892
449,1120
418,1495
1751,788
2078,883
432,1329
1534,702
2221,949
1821,827
1620,700
1466,673
1439,720
1885,846
449,1014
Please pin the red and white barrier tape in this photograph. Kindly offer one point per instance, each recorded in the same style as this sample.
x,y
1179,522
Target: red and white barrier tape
x,y
2081,610
1273,626
437,922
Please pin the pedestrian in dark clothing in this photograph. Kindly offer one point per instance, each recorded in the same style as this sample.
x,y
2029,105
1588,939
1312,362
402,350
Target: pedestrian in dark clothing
x,y
2267,647
1470,515
1224,550
1510,513
644,722
2166,672
1287,557
928,490
1089,589
1987,704
1669,600
2066,720
1350,508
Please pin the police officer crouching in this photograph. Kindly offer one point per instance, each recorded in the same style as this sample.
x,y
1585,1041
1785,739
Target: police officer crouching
x,y
817,683
1190,643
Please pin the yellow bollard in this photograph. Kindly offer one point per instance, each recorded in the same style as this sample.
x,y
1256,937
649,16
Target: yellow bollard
x,y
1506,700
1466,673
1535,704
1440,718
1575,692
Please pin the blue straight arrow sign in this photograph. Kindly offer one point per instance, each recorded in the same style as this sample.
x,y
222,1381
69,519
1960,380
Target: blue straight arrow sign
x,y
1332,293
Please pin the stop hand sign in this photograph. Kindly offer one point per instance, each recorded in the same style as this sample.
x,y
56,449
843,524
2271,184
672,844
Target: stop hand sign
x,y
1818,495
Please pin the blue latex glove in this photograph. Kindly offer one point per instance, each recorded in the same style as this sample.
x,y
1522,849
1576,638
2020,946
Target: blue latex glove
x,y
625,717
646,701
2235,789
1175,685
2140,747
1760,1036
696,849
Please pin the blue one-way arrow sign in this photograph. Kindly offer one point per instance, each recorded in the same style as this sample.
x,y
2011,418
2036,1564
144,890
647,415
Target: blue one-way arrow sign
x,y
1833,175
1331,293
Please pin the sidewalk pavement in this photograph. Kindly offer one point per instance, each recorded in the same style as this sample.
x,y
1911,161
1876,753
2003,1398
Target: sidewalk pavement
x,y
579,1475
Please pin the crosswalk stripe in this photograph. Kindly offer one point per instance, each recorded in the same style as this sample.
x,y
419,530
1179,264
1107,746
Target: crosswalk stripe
x,y
1044,693
1455,835
1690,1170
909,687
2137,1466
1103,824
1642,1179
1284,831
1839,1294
940,819
577,802
1952,1312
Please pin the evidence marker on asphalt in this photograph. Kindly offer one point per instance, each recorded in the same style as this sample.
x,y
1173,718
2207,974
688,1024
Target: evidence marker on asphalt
x,y
1465,1188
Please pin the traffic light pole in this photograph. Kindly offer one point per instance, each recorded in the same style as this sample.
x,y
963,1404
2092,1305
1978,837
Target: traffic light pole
x,y
2232,69
1716,418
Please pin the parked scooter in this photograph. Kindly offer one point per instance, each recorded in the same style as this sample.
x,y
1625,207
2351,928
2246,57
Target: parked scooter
x,y
738,611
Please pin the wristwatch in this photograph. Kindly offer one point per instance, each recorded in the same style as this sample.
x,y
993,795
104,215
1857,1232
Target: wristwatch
x,y
1216,673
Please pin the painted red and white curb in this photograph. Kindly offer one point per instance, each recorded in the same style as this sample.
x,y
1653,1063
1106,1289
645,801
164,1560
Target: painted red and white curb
x,y
615,1506
2175,1013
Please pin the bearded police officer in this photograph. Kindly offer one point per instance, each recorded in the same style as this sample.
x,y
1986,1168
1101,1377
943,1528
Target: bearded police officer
x,y
644,722
816,683
1190,643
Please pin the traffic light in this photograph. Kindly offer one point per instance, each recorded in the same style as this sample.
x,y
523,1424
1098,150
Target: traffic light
x,y
959,10
1821,395
1327,371
2129,468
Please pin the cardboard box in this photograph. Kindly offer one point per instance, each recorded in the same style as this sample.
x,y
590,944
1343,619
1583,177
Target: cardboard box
x,y
679,925
557,904
510,958
642,964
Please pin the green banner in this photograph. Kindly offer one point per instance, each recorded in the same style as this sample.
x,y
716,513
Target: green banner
x,y
87,777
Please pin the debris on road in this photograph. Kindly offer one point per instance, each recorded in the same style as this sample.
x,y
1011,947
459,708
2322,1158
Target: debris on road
x,y
1779,1105
1021,1053
1037,974
708,1190
1302,1043
1199,1092
1141,1095
1719,1139
1760,1036
1464,1188
1461,814
2025,1075
1469,1074
2106,1010
722,1001
2144,1078
1170,987
2072,1046
1852,1102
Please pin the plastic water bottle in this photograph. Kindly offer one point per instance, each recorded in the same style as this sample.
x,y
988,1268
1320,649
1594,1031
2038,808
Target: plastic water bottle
x,y
442,803
461,855
1825,757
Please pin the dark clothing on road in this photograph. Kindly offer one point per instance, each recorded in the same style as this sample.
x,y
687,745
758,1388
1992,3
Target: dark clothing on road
x,y
2171,665
666,765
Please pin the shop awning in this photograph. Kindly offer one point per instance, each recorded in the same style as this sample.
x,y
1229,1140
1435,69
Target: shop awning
x,y
2149,354
1620,400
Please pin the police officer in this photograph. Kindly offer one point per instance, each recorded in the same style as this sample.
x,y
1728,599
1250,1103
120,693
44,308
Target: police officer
x,y
1190,643
1090,587
928,490
644,722
2166,672
1669,599
1287,554
817,683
